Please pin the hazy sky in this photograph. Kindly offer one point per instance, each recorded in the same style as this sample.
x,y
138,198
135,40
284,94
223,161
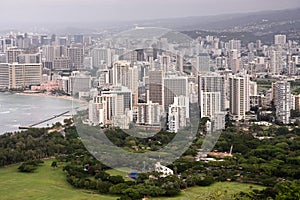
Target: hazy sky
x,y
33,11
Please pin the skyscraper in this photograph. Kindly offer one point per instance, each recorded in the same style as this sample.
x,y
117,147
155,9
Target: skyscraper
x,y
112,107
149,114
234,61
213,82
126,75
239,96
203,62
178,113
79,82
174,86
235,44
282,101
276,63
279,39
76,56
212,98
210,103
101,56
156,86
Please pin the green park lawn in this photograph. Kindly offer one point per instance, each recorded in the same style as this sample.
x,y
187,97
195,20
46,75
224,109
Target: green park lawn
x,y
220,190
121,172
48,183
44,183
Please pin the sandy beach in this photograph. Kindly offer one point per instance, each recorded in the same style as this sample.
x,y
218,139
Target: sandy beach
x,y
69,98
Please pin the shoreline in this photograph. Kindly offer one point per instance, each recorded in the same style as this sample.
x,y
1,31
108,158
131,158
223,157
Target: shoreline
x,y
78,103
64,97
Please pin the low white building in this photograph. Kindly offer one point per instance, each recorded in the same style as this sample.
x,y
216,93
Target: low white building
x,y
163,169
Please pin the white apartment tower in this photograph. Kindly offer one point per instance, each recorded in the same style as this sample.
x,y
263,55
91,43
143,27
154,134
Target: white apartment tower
x,y
276,63
126,75
282,101
178,114
239,96
280,39
213,82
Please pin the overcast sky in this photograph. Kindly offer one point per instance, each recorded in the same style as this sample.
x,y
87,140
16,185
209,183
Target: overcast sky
x,y
37,11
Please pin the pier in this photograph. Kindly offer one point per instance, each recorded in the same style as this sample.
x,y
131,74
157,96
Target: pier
x,y
46,120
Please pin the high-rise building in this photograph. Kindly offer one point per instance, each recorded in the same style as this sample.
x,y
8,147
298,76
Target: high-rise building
x,y
79,82
234,61
212,98
239,96
252,88
12,54
149,114
126,75
280,39
155,86
126,96
16,75
282,101
48,53
62,63
55,57
235,44
178,114
276,63
174,86
101,56
112,107
78,39
210,103
76,56
6,43
203,60
165,62
213,82
297,102
4,76
103,108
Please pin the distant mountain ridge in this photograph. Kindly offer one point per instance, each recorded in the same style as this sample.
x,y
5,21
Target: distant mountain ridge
x,y
227,21
259,23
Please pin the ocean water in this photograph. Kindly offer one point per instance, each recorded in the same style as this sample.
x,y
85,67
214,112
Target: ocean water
x,y
24,110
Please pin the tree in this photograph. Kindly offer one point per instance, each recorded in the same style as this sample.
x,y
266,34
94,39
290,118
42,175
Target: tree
x,y
102,176
54,164
118,189
116,179
288,190
103,186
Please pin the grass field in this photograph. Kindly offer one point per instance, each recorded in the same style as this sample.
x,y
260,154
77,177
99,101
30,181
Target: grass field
x,y
48,183
121,172
220,190
45,183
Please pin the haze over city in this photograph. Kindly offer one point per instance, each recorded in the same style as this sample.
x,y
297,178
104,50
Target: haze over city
x,y
15,12
139,99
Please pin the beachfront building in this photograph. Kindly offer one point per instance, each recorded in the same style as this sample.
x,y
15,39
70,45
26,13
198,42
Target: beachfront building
x,y
16,75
